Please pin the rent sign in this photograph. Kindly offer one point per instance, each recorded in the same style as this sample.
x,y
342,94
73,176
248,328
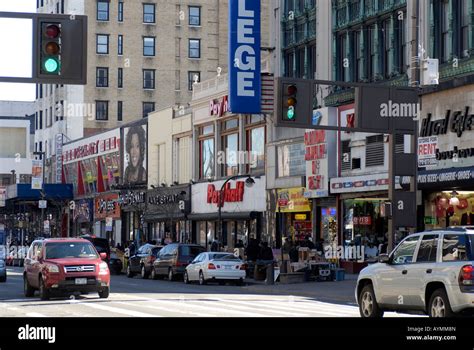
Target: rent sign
x,y
244,56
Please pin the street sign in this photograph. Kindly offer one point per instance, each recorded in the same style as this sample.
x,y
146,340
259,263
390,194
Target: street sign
x,y
42,204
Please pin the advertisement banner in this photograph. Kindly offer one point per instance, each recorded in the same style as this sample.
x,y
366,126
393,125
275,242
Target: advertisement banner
x,y
59,158
109,224
107,206
3,195
37,175
427,151
292,200
134,154
244,56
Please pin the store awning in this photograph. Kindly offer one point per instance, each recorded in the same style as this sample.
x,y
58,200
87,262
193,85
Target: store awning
x,y
248,215
164,217
446,178
24,192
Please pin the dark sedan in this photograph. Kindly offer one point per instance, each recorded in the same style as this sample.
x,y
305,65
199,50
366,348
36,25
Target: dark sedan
x,y
142,261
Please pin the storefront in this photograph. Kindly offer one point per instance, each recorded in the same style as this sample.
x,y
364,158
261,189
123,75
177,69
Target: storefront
x,y
294,213
446,159
132,207
82,217
242,212
166,214
107,218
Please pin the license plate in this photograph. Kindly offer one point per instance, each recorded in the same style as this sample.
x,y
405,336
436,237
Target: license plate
x,y
228,267
81,280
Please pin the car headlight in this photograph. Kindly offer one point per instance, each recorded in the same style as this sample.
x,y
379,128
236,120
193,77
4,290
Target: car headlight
x,y
52,268
103,267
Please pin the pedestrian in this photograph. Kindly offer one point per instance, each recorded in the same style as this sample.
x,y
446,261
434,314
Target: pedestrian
x,y
214,246
287,245
240,244
252,250
265,253
309,243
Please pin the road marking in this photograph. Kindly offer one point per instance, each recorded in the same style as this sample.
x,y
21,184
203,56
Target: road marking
x,y
172,311
117,310
35,314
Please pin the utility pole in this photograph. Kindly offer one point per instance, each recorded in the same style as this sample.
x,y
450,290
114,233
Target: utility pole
x,y
42,155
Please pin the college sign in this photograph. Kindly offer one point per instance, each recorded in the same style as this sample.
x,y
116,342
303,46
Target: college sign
x,y
244,56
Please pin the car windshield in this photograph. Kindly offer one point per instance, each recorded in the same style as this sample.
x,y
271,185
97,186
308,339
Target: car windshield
x,y
470,243
191,250
70,250
223,257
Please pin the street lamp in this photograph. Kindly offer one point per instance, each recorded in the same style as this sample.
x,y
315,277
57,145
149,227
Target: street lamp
x,y
249,182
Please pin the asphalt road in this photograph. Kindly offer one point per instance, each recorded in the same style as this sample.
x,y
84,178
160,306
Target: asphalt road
x,y
161,298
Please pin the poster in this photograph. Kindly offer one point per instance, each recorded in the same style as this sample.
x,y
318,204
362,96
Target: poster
x,y
134,154
37,175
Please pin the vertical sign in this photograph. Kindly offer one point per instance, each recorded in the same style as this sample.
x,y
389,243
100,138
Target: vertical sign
x,y
244,56
59,158
37,175
3,196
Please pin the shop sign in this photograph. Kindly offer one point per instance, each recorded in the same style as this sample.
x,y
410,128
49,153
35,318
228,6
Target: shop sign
x,y
93,146
157,199
42,204
3,196
230,194
219,108
300,216
429,220
107,205
456,122
427,149
244,56
295,199
435,177
82,210
59,158
362,220
363,183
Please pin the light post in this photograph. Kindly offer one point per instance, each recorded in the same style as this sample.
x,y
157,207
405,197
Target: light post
x,y
42,154
249,182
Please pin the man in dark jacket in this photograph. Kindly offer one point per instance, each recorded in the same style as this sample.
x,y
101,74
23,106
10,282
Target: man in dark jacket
x,y
266,252
252,250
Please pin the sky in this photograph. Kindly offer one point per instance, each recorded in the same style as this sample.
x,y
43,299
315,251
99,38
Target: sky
x,y
18,63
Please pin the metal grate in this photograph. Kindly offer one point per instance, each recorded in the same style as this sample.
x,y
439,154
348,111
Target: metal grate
x,y
374,151
79,268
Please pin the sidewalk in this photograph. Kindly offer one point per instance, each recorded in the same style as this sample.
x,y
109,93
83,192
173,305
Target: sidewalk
x,y
339,292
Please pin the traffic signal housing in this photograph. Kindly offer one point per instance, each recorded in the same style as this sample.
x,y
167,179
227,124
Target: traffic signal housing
x,y
60,49
294,102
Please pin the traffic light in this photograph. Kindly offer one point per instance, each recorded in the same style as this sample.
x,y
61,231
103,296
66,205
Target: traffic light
x,y
50,48
60,49
293,102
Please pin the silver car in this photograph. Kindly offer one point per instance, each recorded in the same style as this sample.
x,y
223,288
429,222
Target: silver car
x,y
3,271
430,272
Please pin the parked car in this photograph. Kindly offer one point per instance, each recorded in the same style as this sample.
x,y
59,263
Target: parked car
x,y
100,244
430,272
115,264
142,261
220,267
173,259
3,271
65,265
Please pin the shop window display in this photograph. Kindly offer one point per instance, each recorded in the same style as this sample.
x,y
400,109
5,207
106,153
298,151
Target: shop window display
x,y
449,208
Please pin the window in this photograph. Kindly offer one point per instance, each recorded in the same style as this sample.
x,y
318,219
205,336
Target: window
x,y
230,147
193,77
255,137
401,53
356,164
120,11
120,78
148,13
102,44
148,46
102,10
148,107
291,160
120,45
206,152
445,31
194,16
41,120
119,111
374,151
289,64
465,24
101,110
359,68
455,248
148,78
194,48
405,251
102,77
372,64
386,48
428,249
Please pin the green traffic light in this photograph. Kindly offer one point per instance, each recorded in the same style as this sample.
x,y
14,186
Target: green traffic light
x,y
291,113
51,65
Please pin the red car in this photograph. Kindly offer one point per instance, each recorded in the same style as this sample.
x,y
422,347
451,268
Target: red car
x,y
65,265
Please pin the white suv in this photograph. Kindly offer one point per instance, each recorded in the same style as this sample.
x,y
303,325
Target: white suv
x,y
430,272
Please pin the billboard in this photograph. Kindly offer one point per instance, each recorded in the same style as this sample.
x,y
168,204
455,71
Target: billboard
x,y
37,175
134,154
244,56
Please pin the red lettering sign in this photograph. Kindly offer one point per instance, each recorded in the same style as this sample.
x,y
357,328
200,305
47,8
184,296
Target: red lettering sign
x,y
362,220
219,108
229,194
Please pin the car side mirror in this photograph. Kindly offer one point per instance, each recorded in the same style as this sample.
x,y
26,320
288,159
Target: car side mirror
x,y
103,256
384,259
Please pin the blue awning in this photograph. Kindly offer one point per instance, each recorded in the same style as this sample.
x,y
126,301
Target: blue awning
x,y
51,191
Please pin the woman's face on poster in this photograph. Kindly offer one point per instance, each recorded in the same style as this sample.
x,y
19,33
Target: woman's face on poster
x,y
135,150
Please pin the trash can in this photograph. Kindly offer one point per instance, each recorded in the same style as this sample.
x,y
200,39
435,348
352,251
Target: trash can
x,y
339,274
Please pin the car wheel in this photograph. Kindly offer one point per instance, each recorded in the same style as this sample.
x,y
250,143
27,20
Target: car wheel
x,y
29,290
186,277
43,291
129,272
240,282
202,281
154,276
170,274
439,305
104,293
144,273
368,306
